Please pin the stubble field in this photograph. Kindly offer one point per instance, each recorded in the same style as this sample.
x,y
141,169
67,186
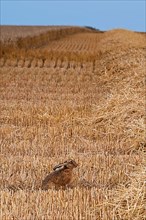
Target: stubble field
x,y
79,96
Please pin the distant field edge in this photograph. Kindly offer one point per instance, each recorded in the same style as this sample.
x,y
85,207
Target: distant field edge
x,y
14,43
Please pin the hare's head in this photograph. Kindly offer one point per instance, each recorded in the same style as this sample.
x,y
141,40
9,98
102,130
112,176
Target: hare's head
x,y
70,164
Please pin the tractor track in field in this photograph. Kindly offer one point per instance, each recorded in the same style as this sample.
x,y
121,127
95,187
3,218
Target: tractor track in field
x,y
46,63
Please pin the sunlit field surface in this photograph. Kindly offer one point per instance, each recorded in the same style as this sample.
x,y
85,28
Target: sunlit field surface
x,y
80,96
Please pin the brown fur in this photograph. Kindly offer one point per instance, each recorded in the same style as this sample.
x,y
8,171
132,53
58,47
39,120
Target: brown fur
x,y
62,175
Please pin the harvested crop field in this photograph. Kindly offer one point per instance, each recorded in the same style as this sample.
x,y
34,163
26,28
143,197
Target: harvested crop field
x,y
77,94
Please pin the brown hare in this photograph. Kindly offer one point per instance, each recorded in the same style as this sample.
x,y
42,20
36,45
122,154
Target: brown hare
x,y
62,175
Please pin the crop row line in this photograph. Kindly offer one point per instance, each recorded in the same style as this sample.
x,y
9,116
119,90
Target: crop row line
x,y
45,63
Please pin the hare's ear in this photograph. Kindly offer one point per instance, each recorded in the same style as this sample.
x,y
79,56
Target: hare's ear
x,y
58,167
54,168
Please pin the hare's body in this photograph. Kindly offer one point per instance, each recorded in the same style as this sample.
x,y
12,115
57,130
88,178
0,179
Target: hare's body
x,y
62,175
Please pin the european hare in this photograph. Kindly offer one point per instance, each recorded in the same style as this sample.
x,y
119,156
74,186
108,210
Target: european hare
x,y
62,175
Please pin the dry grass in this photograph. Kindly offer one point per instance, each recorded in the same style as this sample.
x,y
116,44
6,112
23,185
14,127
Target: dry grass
x,y
12,33
17,46
92,112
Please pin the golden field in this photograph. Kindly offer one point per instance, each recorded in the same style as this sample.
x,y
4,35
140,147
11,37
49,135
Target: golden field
x,y
78,95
